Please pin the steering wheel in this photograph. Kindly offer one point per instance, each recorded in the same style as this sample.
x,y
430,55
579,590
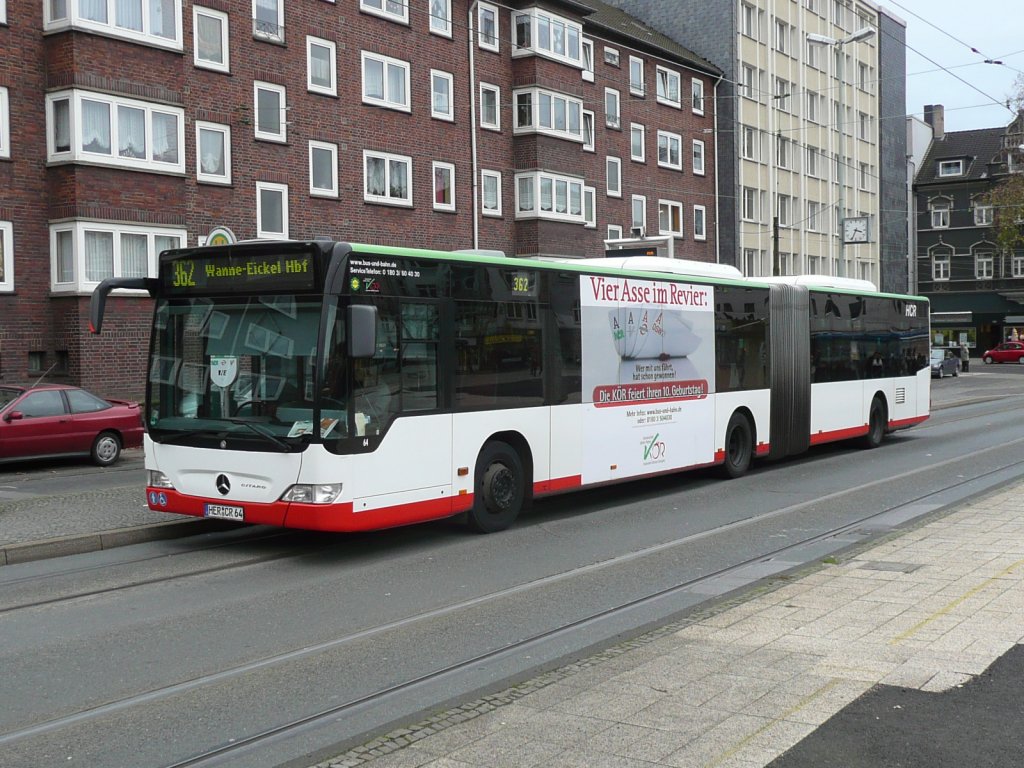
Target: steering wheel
x,y
237,411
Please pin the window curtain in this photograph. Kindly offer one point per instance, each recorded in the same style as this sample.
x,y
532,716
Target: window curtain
x,y
375,176
131,130
399,180
208,33
65,258
134,255
128,14
266,17
442,186
439,14
58,9
99,256
95,127
61,126
93,10
442,103
320,66
490,193
165,138
162,19
166,242
211,152
526,194
396,85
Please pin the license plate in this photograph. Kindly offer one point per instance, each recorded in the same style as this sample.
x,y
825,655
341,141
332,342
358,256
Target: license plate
x,y
224,511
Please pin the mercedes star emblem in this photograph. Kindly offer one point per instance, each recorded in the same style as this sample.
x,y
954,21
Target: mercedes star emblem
x,y
223,484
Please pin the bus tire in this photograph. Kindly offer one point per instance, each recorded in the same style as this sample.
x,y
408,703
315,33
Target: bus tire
x,y
876,425
739,447
499,488
106,449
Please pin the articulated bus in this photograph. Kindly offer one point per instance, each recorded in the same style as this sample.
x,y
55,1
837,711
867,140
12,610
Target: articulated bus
x,y
343,387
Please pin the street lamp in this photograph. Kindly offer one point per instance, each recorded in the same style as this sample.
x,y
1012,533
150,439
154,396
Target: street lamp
x,y
837,43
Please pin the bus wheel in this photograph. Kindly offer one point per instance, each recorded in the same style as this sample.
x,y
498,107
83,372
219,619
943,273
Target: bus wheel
x,y
739,446
876,425
106,449
500,488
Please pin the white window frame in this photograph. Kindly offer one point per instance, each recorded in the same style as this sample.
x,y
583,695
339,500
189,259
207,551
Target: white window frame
x,y
638,202
613,190
664,77
610,56
588,136
275,36
263,234
435,166
488,43
77,152
388,158
749,209
324,146
332,48
984,265
3,11
212,178
441,26
222,19
940,265
700,222
951,168
440,74
670,139
636,69
282,92
698,158
634,130
814,215
587,59
490,125
537,116
612,120
814,162
402,17
984,215
495,177
386,102
1017,265
671,205
940,215
589,207
78,284
572,37
536,180
6,256
74,19
5,123
697,95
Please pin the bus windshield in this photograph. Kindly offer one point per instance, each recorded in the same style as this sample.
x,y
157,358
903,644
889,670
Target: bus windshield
x,y
244,366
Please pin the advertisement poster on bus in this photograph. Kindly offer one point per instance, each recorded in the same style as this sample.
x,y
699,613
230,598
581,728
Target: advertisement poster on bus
x,y
648,363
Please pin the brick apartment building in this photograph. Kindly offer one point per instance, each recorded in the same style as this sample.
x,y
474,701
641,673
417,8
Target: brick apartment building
x,y
130,126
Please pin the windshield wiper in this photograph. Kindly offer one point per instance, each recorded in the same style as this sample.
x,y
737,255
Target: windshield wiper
x,y
261,431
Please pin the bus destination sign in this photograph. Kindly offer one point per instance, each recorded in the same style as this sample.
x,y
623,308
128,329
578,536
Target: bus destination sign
x,y
229,273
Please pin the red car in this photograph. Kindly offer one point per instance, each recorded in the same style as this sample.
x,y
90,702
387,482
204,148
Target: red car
x,y
58,420
1007,352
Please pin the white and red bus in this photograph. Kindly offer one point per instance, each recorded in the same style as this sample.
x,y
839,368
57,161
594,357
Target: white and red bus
x,y
344,387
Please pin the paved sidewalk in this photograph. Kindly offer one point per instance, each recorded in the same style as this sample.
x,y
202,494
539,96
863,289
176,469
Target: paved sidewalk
x,y
929,609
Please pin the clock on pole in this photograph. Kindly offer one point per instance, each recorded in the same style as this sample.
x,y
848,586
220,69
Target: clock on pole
x,y
856,229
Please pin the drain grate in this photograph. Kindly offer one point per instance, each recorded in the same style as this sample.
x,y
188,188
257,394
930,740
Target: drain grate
x,y
881,565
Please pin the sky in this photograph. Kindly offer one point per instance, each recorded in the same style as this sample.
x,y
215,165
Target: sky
x,y
942,69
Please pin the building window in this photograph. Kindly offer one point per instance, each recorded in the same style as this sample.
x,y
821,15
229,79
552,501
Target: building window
x,y
864,126
487,23
6,256
668,87
784,210
213,153
751,147
611,108
271,211
112,130
395,10
490,112
784,152
697,96
83,253
636,142
983,215
747,85
700,227
587,53
813,55
613,176
782,37
323,169
542,32
984,266
490,193
611,56
813,161
588,131
321,56
940,265
270,108
670,218
267,20
210,29
441,17
752,259
638,209
441,89
549,196
386,82
387,178
636,76
670,153
814,216
940,215
749,21
589,207
548,112
1017,265
5,123
951,167
864,175
783,90
614,232
155,22
749,196
444,186
813,107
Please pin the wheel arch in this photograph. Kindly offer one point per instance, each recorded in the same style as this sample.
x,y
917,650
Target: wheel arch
x,y
520,445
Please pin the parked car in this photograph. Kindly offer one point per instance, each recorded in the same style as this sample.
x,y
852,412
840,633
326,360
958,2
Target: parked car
x,y
944,363
57,420
1007,352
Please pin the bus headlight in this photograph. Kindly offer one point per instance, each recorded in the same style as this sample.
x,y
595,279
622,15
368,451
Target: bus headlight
x,y
321,493
159,480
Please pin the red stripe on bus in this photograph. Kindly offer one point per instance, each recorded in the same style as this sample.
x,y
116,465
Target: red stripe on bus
x,y
904,423
838,434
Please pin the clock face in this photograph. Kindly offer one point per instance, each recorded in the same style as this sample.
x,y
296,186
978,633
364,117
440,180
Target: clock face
x,y
855,230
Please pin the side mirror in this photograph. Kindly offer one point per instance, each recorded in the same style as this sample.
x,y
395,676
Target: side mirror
x,y
362,330
13,416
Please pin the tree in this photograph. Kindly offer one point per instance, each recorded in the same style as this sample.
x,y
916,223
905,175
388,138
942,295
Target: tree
x,y
1007,201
